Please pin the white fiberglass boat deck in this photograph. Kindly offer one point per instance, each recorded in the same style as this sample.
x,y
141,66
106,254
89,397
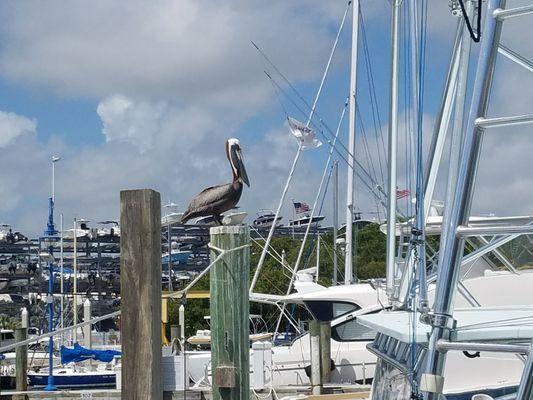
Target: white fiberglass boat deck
x,y
473,324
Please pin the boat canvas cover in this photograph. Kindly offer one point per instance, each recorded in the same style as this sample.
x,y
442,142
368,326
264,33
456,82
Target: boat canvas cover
x,y
80,353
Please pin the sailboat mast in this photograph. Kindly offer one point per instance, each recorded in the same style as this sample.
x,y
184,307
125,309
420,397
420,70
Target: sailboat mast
x,y
393,148
348,264
335,218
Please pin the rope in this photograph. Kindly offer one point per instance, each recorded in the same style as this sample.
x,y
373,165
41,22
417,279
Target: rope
x,y
221,254
476,36
373,98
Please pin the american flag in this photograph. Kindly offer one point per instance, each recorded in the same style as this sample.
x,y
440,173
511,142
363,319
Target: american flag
x,y
400,194
301,207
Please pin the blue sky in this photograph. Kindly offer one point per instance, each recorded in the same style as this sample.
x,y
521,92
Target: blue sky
x,y
73,119
144,94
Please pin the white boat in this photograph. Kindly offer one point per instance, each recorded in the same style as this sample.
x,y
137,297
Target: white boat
x,y
172,216
177,256
110,228
82,230
265,219
7,235
467,373
303,221
5,230
345,306
257,332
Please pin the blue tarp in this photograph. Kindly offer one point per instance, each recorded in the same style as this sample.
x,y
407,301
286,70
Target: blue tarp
x,y
80,353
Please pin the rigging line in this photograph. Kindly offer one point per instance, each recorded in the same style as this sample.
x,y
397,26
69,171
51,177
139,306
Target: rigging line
x,y
315,125
315,235
274,256
365,145
326,167
476,36
278,97
373,99
372,186
262,237
298,153
328,65
422,63
322,122
375,189
366,148
300,252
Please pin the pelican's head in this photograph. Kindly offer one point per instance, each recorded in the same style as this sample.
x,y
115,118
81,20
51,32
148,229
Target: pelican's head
x,y
233,151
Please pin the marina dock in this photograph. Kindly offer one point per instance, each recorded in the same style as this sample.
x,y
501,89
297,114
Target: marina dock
x,y
336,392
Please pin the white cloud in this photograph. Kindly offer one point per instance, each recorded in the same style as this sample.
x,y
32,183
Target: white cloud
x,y
189,51
130,121
173,80
13,125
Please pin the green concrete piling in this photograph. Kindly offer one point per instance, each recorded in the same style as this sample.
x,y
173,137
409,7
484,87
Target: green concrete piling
x,y
325,351
230,342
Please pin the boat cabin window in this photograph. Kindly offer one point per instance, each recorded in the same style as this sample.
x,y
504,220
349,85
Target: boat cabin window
x,y
328,310
352,331
33,331
8,336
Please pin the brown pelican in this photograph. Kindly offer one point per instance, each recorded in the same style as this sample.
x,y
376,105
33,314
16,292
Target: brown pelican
x,y
217,199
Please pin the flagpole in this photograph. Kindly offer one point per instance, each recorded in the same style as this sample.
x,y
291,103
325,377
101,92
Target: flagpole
x,y
293,217
348,265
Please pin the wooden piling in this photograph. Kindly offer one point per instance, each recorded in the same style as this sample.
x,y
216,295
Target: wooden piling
x,y
316,367
230,308
21,364
140,285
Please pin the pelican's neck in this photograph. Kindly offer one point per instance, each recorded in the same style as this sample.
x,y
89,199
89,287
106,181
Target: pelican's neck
x,y
233,167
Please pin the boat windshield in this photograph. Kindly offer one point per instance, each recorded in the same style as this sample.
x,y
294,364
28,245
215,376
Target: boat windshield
x,y
352,331
326,311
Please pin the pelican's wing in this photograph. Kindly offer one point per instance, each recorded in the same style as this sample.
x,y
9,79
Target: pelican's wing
x,y
204,201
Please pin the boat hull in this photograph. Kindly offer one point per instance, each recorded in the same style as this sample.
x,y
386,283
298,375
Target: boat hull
x,y
74,380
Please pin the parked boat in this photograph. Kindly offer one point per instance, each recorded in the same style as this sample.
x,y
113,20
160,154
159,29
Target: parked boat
x,y
110,228
72,377
82,230
265,219
303,216
79,375
304,220
177,256
8,236
257,332
172,216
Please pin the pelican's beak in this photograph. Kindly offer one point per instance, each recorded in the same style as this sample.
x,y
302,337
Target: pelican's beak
x,y
239,165
242,170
